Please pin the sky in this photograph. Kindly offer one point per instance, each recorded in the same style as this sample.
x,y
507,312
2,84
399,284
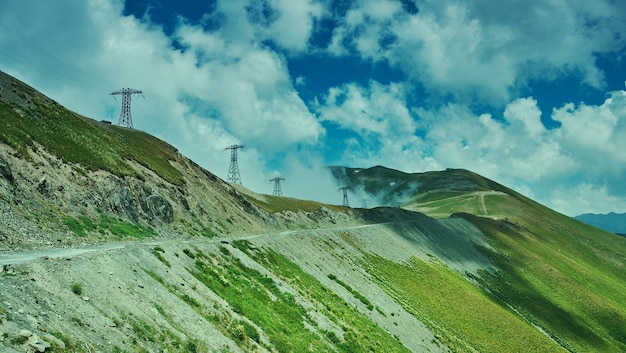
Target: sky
x,y
528,93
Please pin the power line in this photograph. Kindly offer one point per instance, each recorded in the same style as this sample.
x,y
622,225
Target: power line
x,y
125,115
47,67
277,190
233,170
31,65
345,195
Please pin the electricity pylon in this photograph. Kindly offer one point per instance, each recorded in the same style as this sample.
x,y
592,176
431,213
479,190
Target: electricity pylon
x,y
233,171
277,190
364,203
125,116
345,195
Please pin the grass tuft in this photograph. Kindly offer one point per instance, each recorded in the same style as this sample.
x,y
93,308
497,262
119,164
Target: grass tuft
x,y
77,288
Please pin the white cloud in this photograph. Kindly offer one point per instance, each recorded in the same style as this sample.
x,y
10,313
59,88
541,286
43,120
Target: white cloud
x,y
376,109
591,131
526,112
585,156
309,180
223,88
294,24
378,114
481,48
585,198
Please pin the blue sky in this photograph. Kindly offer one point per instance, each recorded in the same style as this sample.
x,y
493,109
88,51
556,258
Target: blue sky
x,y
530,94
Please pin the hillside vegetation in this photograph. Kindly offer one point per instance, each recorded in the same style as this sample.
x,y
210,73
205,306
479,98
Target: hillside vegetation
x,y
553,271
112,241
29,118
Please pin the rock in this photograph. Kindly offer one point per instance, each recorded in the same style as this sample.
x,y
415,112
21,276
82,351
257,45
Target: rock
x,y
57,343
5,170
38,344
123,205
43,186
25,333
160,208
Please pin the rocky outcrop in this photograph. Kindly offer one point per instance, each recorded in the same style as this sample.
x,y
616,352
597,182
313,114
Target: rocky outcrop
x,y
159,208
44,191
5,170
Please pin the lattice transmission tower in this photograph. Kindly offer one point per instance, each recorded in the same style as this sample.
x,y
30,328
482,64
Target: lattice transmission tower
x,y
125,116
364,201
277,190
345,195
233,171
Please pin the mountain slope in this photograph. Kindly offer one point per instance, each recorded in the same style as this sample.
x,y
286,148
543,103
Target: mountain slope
x,y
555,272
190,263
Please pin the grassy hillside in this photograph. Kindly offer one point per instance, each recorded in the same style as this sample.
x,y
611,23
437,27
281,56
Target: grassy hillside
x,y
395,188
30,119
560,274
553,272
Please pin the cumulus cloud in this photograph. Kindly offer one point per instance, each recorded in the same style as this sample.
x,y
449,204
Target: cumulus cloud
x,y
213,88
587,149
379,117
481,48
294,23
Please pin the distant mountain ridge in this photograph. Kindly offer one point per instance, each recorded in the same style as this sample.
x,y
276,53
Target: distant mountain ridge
x,y
611,222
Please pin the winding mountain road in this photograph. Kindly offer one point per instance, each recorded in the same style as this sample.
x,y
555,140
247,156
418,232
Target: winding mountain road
x,y
14,258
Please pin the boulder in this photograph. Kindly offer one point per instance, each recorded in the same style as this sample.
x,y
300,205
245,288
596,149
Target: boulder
x,y
43,187
158,207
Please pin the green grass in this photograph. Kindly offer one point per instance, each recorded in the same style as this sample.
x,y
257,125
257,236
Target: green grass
x,y
360,334
115,226
75,226
77,288
120,228
189,253
79,140
272,203
562,276
281,318
150,337
158,252
356,294
69,345
459,313
557,273
449,204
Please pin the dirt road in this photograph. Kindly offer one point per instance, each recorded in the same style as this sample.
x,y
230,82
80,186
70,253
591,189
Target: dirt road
x,y
13,258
